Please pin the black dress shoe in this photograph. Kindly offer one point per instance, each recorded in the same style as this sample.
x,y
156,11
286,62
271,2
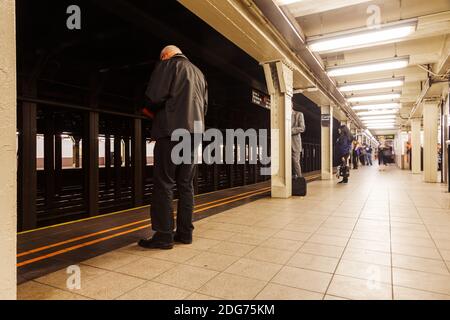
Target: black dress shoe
x,y
154,244
179,239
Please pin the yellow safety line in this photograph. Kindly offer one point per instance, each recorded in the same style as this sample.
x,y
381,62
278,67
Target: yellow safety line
x,y
26,262
111,214
78,238
134,223
81,245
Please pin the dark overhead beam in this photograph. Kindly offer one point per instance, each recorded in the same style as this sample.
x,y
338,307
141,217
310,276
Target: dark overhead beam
x,y
126,11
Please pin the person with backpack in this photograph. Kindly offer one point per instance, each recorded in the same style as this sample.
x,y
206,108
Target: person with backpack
x,y
344,145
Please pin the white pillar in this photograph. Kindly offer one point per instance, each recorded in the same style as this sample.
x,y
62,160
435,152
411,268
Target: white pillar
x,y
327,143
430,140
8,197
279,78
415,145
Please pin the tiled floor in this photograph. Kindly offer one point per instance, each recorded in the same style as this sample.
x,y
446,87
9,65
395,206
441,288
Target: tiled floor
x,y
385,235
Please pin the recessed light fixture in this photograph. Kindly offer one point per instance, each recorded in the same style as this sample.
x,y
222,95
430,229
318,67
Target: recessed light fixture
x,y
374,66
286,2
380,84
385,117
362,37
377,113
378,106
377,97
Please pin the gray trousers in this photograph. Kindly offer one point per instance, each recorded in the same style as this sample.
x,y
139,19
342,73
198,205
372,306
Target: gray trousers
x,y
296,154
167,175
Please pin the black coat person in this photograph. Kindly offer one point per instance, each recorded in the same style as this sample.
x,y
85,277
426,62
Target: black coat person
x,y
178,96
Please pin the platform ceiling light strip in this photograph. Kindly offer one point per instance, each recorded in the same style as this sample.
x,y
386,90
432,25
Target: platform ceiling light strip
x,y
377,97
378,106
380,127
363,37
379,122
381,84
386,117
374,66
377,113
286,2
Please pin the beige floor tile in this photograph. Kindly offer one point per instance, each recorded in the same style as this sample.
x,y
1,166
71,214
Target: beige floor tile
x,y
313,262
413,241
328,240
334,232
212,261
250,239
416,251
59,278
278,292
215,234
198,296
420,264
330,297
363,270
370,245
111,260
146,268
303,279
178,254
358,289
254,269
322,249
155,291
292,235
186,277
422,281
109,286
202,243
282,244
445,254
401,293
36,291
232,248
232,287
369,256
270,255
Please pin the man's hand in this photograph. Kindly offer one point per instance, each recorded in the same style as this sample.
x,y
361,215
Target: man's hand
x,y
147,113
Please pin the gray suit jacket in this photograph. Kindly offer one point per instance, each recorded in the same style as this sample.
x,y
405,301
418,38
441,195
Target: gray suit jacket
x,y
298,127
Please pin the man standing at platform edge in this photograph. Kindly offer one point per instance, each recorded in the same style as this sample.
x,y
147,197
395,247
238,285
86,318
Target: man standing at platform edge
x,y
178,96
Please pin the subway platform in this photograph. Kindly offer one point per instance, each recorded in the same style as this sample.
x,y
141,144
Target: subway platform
x,y
385,235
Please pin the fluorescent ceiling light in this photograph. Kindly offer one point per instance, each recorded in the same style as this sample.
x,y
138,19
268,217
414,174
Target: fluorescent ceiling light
x,y
380,122
386,117
380,127
362,37
381,84
285,2
378,97
374,66
377,113
378,106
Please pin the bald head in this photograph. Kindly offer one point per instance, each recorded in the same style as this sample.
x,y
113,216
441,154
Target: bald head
x,y
168,52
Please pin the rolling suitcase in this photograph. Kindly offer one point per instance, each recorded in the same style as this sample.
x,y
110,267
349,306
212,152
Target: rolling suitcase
x,y
299,187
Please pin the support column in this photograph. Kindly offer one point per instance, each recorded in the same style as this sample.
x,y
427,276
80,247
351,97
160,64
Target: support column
x,y
8,169
279,78
326,142
90,162
49,158
415,145
76,152
137,165
107,160
430,127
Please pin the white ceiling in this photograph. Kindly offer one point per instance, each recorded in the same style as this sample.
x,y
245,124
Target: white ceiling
x,y
428,45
